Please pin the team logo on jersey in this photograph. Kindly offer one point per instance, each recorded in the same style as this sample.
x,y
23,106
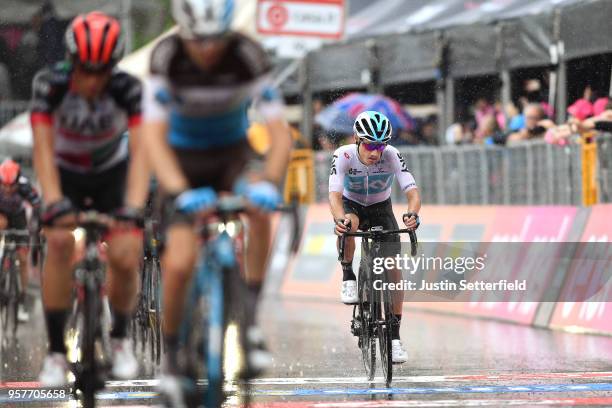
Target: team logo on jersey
x,y
376,184
348,157
403,163
353,171
333,166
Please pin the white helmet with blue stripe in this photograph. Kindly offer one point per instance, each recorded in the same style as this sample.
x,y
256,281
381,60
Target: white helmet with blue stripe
x,y
202,18
373,126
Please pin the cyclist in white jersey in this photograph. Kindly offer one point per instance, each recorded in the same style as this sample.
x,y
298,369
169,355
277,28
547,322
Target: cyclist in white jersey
x,y
360,184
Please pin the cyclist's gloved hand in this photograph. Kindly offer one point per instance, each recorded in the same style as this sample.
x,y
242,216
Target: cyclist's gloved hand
x,y
263,195
411,220
195,200
56,210
129,215
342,225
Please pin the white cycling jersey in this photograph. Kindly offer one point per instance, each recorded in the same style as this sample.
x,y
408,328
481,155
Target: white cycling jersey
x,y
364,184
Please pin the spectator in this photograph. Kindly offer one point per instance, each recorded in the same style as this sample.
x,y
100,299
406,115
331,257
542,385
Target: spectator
x,y
462,131
406,138
534,93
491,131
428,131
585,117
482,109
536,124
516,121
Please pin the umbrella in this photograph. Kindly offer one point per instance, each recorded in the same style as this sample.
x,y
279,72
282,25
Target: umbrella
x,y
340,115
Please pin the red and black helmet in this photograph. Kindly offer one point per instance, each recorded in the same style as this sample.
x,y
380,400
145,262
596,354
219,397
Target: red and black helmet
x,y
94,41
9,172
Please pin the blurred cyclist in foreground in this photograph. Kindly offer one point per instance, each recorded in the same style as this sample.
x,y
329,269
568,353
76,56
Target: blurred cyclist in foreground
x,y
195,121
80,109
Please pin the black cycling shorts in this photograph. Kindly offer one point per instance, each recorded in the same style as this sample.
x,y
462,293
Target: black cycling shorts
x,y
17,221
103,192
379,214
218,168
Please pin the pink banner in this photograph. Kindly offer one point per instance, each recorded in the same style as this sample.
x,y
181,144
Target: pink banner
x,y
515,224
585,281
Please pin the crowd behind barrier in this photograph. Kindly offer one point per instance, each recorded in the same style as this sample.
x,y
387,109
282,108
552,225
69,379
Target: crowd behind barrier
x,y
527,173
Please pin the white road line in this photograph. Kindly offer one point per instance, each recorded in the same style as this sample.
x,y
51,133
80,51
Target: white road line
x,y
425,379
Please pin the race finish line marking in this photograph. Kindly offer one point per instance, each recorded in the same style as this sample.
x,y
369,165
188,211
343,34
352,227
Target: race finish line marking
x,y
494,389
358,380
431,379
605,401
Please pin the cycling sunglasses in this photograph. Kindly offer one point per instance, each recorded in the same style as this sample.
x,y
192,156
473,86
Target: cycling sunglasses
x,y
370,147
95,69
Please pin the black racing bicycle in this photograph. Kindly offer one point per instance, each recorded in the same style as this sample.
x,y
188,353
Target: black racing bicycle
x,y
10,282
373,315
89,323
147,320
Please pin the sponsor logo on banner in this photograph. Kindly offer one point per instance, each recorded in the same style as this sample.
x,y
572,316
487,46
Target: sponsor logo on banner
x,y
310,18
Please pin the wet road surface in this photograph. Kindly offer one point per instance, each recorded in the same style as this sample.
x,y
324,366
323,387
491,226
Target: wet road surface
x,y
453,361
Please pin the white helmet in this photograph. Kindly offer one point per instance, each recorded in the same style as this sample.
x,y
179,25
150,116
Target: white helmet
x,y
373,126
202,18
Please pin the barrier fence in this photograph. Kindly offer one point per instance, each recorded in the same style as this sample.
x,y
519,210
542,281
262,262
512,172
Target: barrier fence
x,y
533,173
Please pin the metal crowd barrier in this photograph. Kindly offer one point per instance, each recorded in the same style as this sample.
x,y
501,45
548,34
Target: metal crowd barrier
x,y
533,173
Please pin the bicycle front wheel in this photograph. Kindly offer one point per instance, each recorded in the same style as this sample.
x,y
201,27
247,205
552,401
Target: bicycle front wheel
x,y
10,300
214,343
88,373
367,341
384,336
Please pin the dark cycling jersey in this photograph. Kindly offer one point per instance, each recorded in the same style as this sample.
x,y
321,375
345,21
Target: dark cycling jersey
x,y
23,191
88,135
209,109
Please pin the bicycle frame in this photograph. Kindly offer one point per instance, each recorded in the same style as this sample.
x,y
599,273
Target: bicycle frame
x,y
91,313
219,287
217,262
377,305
